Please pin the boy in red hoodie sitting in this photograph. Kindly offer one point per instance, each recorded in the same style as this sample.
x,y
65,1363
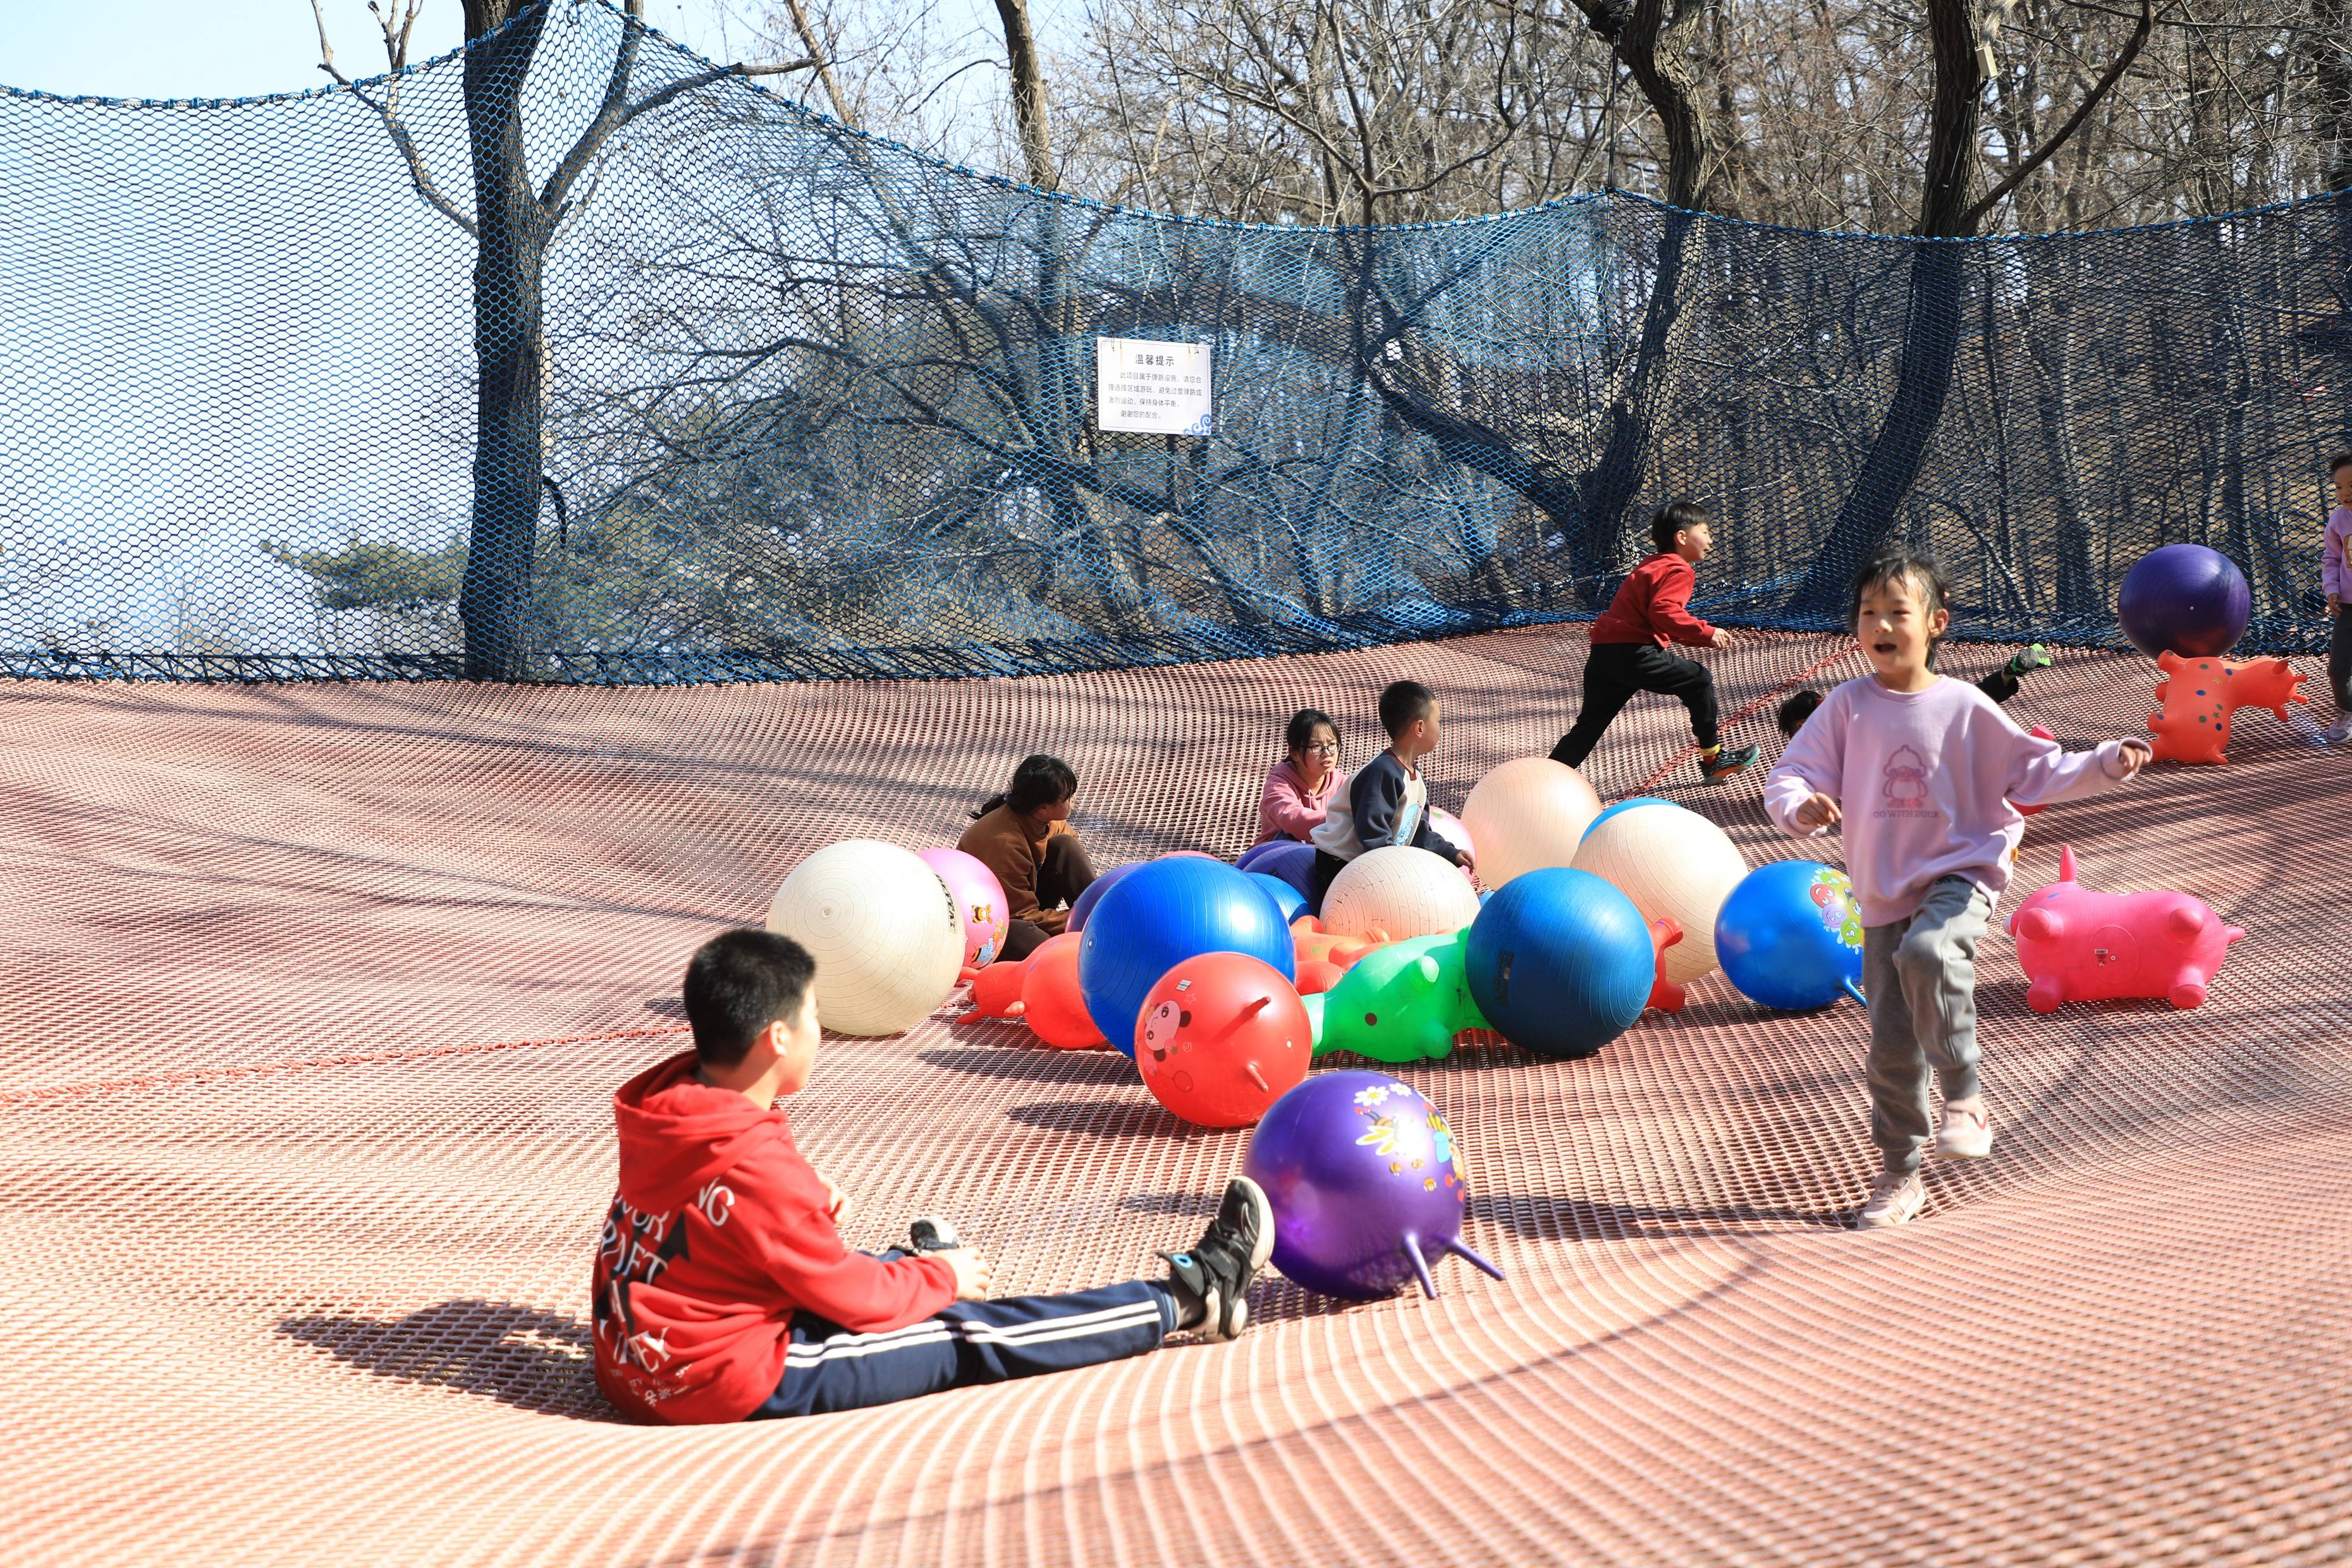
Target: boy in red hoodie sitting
x,y
723,1291
1629,645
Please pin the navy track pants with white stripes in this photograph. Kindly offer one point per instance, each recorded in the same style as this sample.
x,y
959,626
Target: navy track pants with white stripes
x,y
828,1368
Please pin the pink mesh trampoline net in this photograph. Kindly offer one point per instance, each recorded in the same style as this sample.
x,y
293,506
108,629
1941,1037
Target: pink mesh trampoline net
x,y
317,994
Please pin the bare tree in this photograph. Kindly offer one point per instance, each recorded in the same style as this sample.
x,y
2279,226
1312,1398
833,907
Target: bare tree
x,y
512,223
1962,36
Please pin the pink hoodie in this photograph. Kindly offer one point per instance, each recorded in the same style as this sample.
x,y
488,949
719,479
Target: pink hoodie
x,y
1288,807
1924,781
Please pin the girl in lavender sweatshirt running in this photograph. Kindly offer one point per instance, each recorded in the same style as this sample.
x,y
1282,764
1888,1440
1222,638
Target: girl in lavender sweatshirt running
x,y
1922,771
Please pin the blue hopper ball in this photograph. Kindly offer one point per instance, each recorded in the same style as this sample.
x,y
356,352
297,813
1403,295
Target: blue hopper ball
x,y
1628,803
1790,936
1162,913
1082,910
1559,962
1288,899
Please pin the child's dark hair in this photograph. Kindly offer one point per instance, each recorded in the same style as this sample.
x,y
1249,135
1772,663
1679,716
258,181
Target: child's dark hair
x,y
1919,569
1676,516
2341,460
739,983
1299,733
1039,781
1797,710
1401,702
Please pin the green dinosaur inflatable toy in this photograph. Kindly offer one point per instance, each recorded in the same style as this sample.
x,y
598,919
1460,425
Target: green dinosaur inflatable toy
x,y
1403,1003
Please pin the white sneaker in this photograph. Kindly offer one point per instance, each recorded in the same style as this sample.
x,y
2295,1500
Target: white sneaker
x,y
1967,1132
2335,735
1894,1200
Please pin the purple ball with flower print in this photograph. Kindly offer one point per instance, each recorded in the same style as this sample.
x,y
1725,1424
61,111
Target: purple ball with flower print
x,y
1361,1173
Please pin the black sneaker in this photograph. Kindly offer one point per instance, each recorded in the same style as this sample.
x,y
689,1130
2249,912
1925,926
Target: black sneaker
x,y
1216,1274
929,1233
1726,762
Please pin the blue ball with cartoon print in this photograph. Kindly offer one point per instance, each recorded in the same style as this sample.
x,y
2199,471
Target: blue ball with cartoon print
x,y
1362,1173
1790,936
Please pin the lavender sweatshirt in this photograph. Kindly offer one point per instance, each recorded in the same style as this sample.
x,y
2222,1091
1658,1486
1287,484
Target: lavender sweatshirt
x,y
1924,780
2336,555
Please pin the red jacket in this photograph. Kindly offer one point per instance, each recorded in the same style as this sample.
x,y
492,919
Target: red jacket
x,y
1653,605
719,1233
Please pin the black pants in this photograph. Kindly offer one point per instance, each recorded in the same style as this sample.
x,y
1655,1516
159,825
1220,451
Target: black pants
x,y
828,1368
1326,870
2340,662
1065,873
1614,671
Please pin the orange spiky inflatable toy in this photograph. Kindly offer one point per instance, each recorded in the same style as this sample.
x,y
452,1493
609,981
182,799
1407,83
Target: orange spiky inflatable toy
x,y
2199,694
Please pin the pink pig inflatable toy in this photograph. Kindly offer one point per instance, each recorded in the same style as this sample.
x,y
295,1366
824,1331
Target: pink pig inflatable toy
x,y
2081,946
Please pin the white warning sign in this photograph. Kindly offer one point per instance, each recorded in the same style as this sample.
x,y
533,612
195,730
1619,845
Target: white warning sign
x,y
1159,389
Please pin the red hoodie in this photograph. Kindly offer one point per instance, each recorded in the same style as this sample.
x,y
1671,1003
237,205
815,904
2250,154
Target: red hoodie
x,y
1653,605
719,1233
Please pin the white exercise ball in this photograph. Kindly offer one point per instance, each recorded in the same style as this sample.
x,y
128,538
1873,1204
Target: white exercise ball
x,y
1674,864
884,932
1399,892
1526,815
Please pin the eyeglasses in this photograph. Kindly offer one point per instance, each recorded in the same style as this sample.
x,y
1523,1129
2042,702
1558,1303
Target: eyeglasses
x,y
1330,747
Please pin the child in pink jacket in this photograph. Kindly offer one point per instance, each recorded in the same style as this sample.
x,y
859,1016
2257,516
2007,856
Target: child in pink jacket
x,y
1298,790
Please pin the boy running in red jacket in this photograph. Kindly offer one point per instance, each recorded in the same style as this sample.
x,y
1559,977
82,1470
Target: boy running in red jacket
x,y
1629,653
723,1291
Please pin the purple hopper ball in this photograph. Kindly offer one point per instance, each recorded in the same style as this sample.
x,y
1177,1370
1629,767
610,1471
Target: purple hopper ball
x,y
2185,599
1360,1171
1285,859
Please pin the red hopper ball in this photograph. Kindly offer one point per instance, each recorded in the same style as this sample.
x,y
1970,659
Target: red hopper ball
x,y
1052,1005
996,990
1220,1038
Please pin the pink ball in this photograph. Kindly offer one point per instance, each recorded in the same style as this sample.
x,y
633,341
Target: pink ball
x,y
979,900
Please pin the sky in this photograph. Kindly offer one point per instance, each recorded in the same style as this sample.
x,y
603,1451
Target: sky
x,y
242,48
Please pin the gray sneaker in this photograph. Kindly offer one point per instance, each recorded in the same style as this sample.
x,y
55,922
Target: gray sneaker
x,y
1896,1199
2335,735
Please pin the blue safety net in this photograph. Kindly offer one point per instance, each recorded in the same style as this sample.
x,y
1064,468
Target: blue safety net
x,y
572,357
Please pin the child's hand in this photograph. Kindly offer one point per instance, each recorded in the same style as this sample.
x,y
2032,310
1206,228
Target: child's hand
x,y
1818,811
2133,755
1721,639
836,1201
971,1272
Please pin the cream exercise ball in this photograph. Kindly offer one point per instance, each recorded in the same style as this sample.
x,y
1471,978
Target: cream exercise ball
x,y
1670,862
1526,815
1402,892
883,930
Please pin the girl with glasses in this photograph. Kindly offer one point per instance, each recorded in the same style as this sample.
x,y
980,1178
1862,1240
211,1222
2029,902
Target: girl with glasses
x,y
1299,788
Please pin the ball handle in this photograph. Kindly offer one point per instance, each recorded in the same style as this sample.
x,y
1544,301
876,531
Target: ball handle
x,y
1440,1247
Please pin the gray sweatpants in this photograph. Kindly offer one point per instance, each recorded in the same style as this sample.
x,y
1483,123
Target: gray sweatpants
x,y
1920,976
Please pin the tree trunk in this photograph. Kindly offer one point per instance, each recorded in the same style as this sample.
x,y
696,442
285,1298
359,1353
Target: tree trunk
x,y
1638,413
1931,319
1028,92
2077,595
2332,110
1659,43
494,602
